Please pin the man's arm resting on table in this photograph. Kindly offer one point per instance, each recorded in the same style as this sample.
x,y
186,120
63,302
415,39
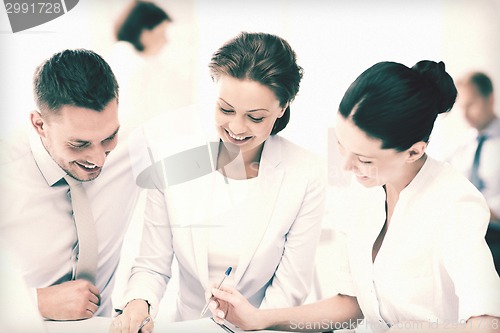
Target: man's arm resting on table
x,y
71,300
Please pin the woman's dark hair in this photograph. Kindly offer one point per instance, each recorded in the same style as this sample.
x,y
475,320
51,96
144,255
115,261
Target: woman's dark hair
x,y
263,58
74,77
142,15
397,104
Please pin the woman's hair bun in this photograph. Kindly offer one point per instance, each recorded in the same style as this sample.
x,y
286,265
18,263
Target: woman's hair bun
x,y
435,73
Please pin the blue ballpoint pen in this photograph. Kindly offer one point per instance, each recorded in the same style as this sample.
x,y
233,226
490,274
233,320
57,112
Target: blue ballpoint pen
x,y
228,271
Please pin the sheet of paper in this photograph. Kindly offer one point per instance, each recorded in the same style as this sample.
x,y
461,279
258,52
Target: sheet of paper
x,y
101,325
94,325
204,325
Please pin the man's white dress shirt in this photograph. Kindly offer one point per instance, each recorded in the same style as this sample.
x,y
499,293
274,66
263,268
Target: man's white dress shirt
x,y
489,163
37,214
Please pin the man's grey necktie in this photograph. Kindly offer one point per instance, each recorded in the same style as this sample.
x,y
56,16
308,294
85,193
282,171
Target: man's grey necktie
x,y
474,175
86,266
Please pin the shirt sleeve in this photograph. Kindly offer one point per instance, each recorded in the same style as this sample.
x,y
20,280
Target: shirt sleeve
x,y
344,283
494,204
152,269
468,260
292,280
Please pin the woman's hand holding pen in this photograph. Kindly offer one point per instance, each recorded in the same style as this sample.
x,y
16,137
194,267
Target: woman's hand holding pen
x,y
135,318
230,305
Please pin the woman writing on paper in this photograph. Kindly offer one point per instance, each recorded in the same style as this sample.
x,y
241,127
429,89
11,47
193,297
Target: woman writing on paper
x,y
260,212
415,246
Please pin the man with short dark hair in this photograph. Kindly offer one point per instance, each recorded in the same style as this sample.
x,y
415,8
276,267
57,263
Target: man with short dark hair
x,y
478,159
70,151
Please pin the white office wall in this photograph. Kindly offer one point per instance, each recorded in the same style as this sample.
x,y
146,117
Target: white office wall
x,y
335,40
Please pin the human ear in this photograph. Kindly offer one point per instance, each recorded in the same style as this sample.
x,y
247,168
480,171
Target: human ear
x,y
282,112
491,100
145,40
416,151
38,123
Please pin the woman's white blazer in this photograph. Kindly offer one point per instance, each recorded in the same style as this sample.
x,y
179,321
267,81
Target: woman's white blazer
x,y
276,268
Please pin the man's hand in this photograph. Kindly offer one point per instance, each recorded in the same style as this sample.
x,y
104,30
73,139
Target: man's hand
x,y
70,300
134,313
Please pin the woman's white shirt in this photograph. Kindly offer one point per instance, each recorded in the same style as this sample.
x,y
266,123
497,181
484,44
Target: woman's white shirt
x,y
434,264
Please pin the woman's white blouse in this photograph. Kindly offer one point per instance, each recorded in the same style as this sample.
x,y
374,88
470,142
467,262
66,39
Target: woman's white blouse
x,y
434,264
225,242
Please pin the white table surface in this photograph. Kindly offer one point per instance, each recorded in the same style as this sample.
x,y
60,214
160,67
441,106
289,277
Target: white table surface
x,y
101,325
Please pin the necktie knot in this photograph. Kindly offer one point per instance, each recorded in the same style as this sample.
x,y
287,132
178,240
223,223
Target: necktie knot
x,y
481,138
71,181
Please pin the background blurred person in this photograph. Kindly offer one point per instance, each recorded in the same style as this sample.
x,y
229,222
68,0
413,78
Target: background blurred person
x,y
479,158
141,34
